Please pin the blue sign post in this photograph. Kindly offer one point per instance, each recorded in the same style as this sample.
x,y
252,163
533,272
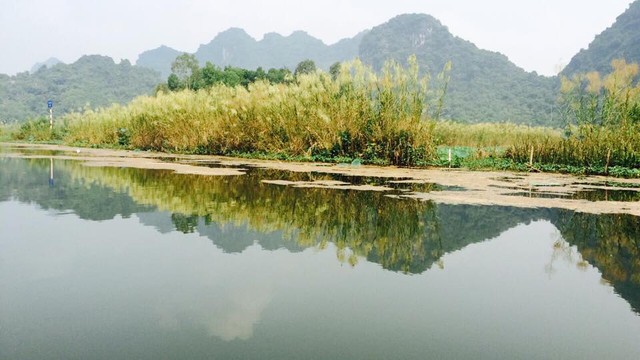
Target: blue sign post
x,y
50,106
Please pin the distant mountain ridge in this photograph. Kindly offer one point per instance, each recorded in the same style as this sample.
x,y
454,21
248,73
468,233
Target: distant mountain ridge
x,y
93,81
235,47
620,41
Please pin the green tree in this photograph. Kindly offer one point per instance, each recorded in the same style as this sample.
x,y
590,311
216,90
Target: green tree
x,y
278,76
187,70
211,74
305,67
334,70
173,83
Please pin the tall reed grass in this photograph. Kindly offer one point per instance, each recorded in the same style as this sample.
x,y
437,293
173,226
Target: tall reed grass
x,y
486,135
603,129
360,114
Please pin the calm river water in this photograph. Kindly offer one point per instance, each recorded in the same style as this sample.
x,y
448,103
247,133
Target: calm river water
x,y
119,263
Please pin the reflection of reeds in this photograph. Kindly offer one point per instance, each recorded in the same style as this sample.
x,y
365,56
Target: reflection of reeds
x,y
399,234
359,114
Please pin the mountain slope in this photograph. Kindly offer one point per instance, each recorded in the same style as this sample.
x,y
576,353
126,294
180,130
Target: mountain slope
x,y
91,81
621,40
484,85
158,59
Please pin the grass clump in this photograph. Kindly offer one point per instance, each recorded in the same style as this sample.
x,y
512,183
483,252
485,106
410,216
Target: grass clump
x,y
38,130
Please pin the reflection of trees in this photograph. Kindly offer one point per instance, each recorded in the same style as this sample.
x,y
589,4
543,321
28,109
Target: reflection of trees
x,y
402,235
612,244
233,211
27,180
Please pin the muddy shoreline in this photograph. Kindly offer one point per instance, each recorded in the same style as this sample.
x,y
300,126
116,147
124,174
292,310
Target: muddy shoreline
x,y
504,188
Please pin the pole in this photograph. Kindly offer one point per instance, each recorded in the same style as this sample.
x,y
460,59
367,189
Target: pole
x,y
531,157
50,119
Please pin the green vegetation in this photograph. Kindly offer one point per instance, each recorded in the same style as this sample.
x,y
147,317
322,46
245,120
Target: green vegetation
x,y
305,67
379,118
90,82
603,135
187,74
484,86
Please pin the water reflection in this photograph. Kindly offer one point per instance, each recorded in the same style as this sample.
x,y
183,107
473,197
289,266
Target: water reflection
x,y
204,301
235,212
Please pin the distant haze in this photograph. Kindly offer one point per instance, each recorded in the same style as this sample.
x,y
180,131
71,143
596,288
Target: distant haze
x,y
538,35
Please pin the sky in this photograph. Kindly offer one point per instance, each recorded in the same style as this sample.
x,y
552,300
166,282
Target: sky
x,y
537,35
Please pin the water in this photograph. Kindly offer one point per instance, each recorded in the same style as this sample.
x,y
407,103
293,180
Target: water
x,y
108,263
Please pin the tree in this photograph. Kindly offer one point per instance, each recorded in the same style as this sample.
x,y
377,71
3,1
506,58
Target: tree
x,y
187,70
211,74
334,70
305,67
279,76
173,83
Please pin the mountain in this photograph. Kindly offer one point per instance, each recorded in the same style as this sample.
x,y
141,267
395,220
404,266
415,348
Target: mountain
x,y
47,63
91,81
158,59
484,85
621,40
234,47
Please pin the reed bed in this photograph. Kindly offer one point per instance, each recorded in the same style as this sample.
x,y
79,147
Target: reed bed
x,y
604,132
487,135
359,114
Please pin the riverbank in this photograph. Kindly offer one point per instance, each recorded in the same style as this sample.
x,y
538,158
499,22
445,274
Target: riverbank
x,y
588,194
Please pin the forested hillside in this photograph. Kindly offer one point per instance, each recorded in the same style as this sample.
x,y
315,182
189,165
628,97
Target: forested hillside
x,y
620,41
92,81
484,85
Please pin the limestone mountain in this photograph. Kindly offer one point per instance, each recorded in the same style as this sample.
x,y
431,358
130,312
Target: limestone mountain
x,y
484,85
620,41
236,48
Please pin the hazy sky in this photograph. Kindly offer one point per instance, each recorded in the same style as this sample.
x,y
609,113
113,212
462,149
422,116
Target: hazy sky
x,y
538,35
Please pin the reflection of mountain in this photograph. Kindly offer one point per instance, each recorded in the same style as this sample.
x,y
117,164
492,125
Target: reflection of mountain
x,y
28,181
237,212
